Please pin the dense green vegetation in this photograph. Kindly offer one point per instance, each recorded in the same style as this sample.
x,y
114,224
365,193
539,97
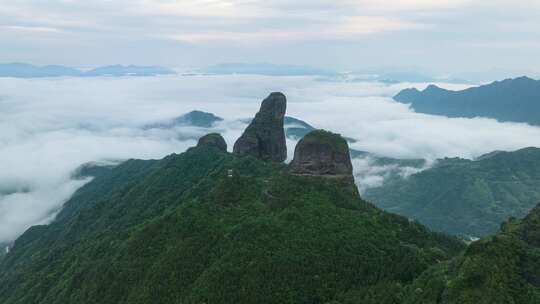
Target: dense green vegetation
x,y
501,269
3,251
509,100
179,230
461,196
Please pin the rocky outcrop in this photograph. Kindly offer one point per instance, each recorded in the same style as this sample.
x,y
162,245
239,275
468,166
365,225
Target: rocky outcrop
x,y
214,140
322,153
264,138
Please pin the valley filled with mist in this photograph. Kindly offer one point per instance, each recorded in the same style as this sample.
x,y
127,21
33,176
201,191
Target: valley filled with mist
x,y
52,126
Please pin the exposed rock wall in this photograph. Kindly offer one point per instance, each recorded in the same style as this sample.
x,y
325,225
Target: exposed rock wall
x,y
264,138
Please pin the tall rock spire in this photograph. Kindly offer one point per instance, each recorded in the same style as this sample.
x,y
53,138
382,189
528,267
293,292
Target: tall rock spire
x,y
264,138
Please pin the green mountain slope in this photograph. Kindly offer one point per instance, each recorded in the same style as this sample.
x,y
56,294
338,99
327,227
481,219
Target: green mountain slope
x,y
501,269
460,196
3,250
180,230
516,100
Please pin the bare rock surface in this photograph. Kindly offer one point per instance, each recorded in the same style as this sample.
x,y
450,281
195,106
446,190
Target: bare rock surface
x,y
213,140
322,153
264,138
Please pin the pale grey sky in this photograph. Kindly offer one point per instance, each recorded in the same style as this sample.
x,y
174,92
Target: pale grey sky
x,y
443,36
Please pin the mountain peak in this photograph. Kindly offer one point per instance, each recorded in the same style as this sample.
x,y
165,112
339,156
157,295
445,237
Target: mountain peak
x,y
275,104
213,140
520,79
322,153
198,119
433,88
264,138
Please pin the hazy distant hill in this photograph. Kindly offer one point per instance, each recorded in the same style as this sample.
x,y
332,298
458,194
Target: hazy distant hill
x,y
194,119
515,100
129,70
461,196
264,69
23,70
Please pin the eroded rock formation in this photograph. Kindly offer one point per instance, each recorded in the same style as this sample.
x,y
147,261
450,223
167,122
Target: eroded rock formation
x,y
322,153
213,140
264,138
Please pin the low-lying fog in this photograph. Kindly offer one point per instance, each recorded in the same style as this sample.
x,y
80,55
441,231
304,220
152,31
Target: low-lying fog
x,y
49,127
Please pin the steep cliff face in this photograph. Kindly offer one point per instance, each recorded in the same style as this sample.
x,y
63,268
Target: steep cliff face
x,y
264,138
322,153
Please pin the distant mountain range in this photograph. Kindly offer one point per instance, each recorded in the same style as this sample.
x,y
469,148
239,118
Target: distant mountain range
x,y
24,70
510,100
329,75
467,197
264,69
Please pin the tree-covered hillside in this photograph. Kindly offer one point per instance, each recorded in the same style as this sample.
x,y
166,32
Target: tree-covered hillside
x,y
180,230
501,269
208,226
516,100
461,196
3,250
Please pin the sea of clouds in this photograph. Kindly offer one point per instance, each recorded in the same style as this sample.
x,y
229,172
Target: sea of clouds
x,y
49,127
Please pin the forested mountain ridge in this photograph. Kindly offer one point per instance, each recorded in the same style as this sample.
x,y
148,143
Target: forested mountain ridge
x,y
207,226
513,100
504,268
467,197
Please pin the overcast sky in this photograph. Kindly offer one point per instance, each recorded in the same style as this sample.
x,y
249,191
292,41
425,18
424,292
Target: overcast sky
x,y
444,36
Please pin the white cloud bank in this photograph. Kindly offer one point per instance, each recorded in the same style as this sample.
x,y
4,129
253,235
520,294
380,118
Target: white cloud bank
x,y
48,127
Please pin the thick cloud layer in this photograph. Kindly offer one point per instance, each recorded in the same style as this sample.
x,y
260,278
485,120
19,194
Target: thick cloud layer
x,y
345,34
48,127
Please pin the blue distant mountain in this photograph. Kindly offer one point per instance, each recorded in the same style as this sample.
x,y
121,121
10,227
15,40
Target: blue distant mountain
x,y
264,69
24,70
397,77
511,100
